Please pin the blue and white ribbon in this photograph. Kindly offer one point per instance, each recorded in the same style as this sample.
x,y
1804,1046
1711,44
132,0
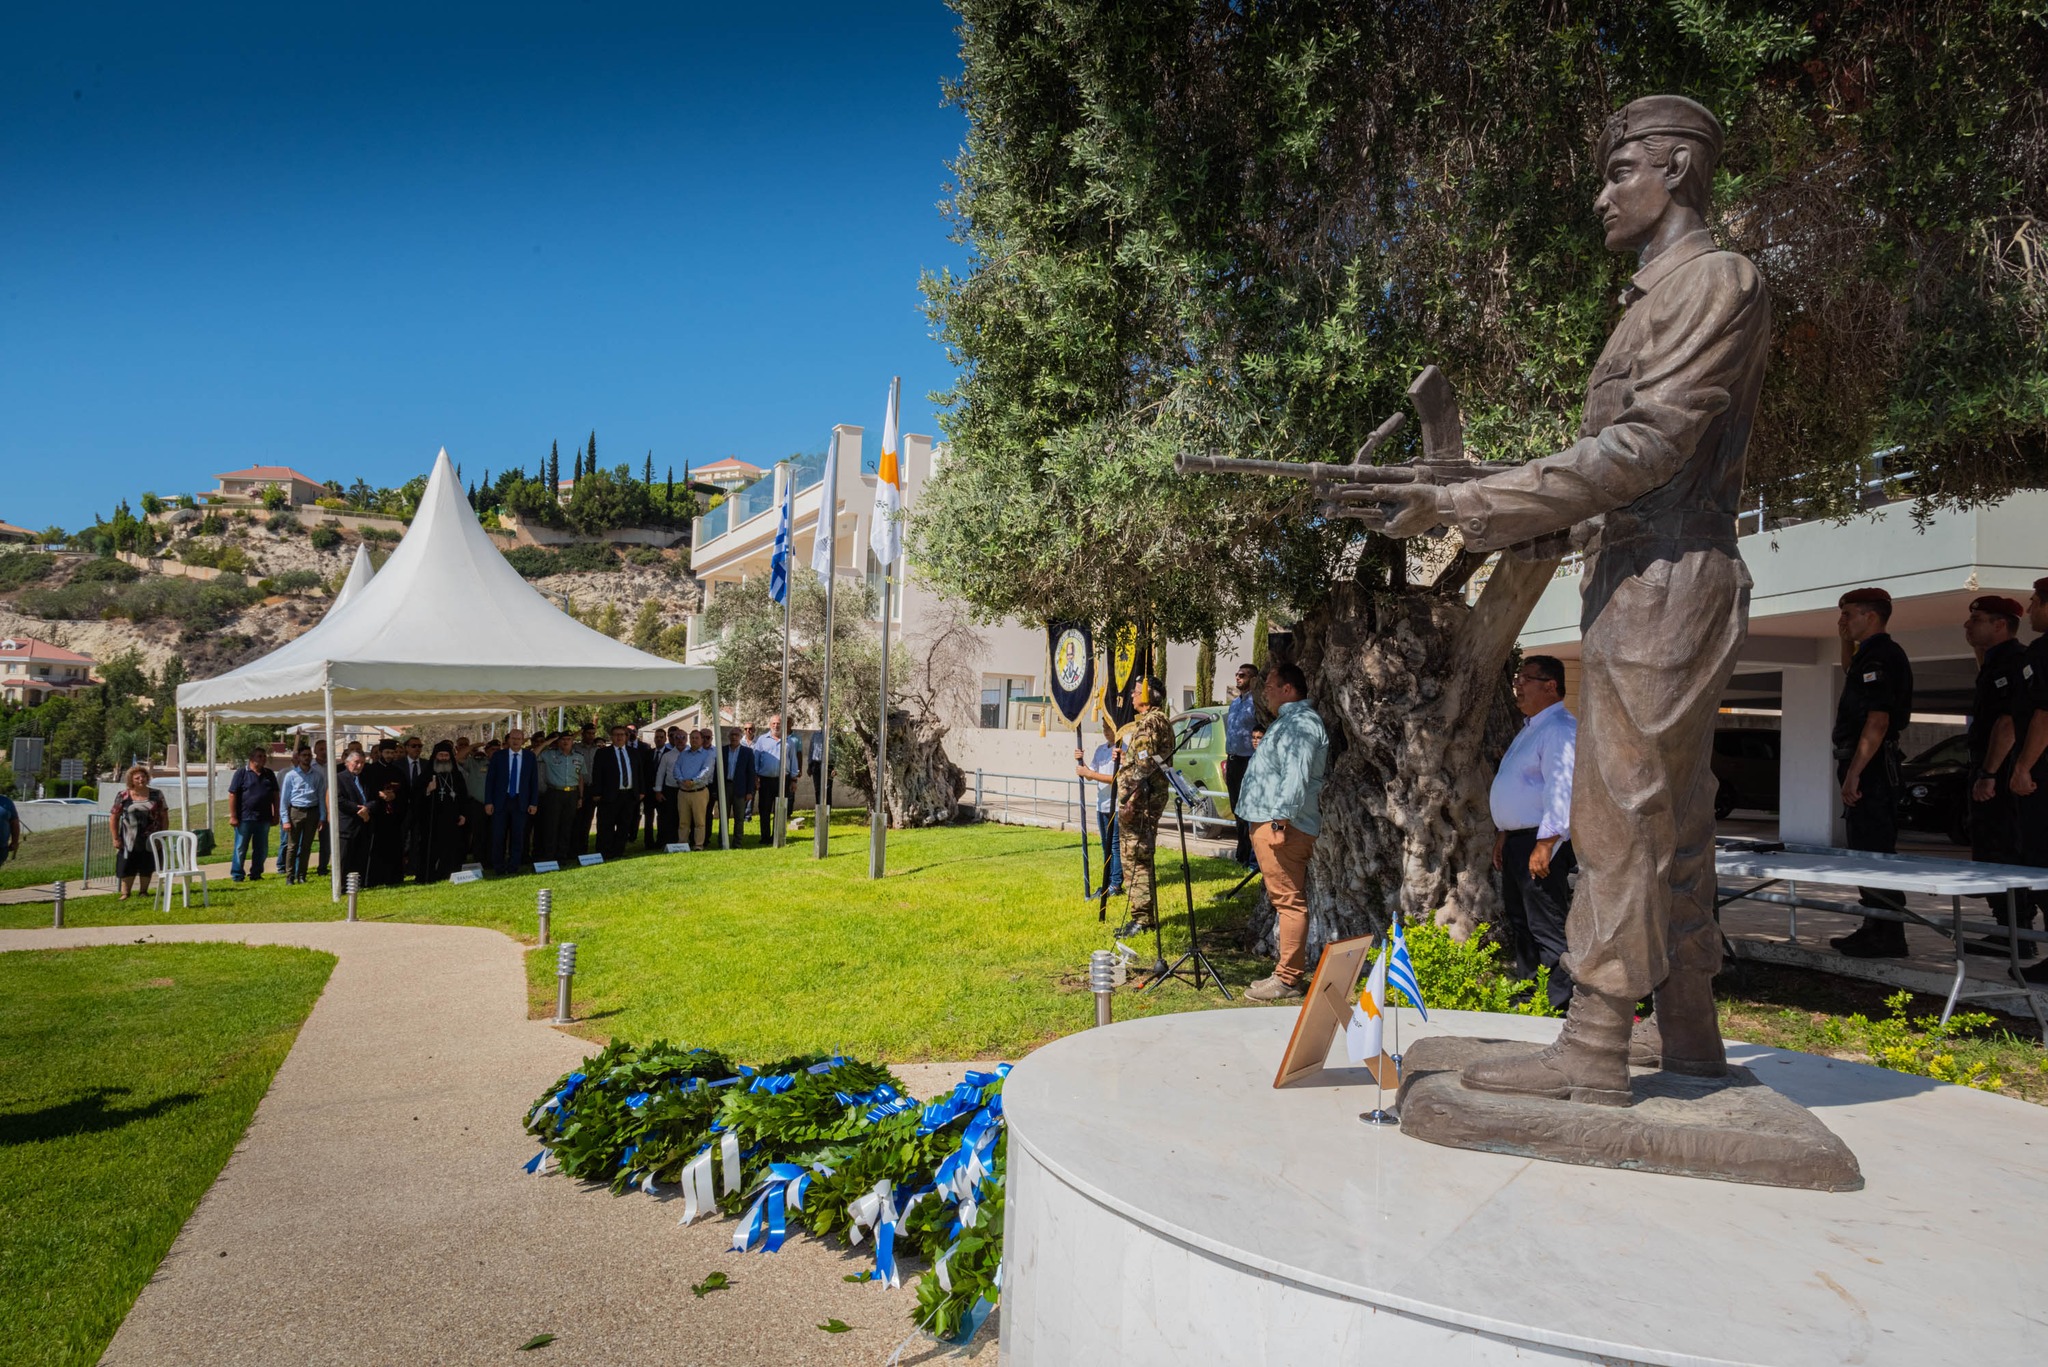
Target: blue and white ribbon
x,y
698,1197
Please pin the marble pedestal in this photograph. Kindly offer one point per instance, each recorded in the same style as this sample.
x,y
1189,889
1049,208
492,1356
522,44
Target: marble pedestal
x,y
1167,1206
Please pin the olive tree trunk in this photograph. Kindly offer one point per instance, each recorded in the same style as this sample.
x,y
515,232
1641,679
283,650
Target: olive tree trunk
x,y
925,786
1415,683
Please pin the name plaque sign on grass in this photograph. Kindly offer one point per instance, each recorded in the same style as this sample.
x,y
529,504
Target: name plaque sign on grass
x,y
547,866
588,859
675,849
467,876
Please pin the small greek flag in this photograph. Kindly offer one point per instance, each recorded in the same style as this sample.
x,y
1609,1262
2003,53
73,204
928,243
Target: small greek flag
x,y
1401,973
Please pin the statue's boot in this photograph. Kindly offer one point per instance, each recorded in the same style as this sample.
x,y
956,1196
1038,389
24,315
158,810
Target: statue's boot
x,y
1683,1035
1589,1061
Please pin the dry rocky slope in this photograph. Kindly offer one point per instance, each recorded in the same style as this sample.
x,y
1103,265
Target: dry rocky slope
x,y
265,625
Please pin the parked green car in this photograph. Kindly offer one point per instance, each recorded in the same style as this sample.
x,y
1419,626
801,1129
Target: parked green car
x,y
1200,755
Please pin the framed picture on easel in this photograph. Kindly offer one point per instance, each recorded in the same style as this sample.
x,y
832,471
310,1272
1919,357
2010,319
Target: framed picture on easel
x,y
1325,1009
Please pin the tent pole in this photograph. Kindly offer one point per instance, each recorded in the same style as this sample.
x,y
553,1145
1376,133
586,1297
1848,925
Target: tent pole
x,y
211,730
333,792
184,797
718,764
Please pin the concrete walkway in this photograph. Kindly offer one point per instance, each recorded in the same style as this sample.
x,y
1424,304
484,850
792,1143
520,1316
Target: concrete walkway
x,y
375,1212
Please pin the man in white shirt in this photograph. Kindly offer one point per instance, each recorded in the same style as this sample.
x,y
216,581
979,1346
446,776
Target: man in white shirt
x,y
686,775
775,767
1532,813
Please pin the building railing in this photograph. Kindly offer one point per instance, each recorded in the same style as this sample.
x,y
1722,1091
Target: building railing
x,y
744,505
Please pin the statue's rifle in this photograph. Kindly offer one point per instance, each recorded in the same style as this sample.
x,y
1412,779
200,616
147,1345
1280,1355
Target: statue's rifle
x,y
1353,489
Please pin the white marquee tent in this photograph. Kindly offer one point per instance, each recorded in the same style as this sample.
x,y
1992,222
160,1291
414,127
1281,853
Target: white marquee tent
x,y
446,629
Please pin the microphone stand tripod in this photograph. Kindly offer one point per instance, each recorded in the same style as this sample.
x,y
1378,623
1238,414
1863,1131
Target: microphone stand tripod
x,y
1186,880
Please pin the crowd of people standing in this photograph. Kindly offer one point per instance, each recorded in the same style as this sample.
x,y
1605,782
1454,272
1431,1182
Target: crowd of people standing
x,y
406,809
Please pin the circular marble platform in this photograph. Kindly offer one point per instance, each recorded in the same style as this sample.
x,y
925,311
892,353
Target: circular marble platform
x,y
1167,1206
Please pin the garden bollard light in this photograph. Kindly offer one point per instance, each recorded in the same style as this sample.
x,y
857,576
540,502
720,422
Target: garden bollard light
x,y
355,885
547,909
565,974
58,888
1102,982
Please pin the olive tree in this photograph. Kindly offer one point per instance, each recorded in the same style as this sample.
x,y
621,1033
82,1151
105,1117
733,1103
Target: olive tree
x,y
1202,225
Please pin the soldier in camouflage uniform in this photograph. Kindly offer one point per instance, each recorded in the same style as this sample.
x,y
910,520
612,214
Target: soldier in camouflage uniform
x,y
1141,792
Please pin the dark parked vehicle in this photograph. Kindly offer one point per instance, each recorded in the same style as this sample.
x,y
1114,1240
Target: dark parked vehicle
x,y
1746,768
1934,790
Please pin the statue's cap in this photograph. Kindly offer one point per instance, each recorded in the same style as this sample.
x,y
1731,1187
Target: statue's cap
x,y
2041,589
1998,605
1669,116
1873,597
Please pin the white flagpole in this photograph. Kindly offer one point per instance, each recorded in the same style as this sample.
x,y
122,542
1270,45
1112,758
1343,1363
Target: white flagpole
x,y
782,799
878,825
884,540
825,560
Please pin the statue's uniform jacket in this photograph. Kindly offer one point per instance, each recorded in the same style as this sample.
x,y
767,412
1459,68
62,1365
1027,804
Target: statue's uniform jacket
x,y
1651,489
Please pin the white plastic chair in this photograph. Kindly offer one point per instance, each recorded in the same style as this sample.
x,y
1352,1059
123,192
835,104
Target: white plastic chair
x,y
177,859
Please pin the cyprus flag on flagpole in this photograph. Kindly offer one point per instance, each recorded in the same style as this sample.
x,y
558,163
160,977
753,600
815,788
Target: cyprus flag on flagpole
x,y
885,535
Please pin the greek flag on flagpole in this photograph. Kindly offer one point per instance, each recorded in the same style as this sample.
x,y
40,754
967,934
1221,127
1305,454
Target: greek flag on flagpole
x,y
778,564
1401,974
823,547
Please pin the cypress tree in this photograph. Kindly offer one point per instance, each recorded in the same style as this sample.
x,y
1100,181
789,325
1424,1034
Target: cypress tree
x,y
669,497
590,460
647,473
555,470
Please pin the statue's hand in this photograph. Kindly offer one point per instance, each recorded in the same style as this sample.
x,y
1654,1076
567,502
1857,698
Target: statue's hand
x,y
1408,510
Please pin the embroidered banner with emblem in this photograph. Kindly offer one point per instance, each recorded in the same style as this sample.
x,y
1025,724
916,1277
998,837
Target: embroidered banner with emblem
x,y
1073,668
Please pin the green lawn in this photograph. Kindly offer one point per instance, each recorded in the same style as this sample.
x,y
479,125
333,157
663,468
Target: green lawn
x,y
974,946
131,1072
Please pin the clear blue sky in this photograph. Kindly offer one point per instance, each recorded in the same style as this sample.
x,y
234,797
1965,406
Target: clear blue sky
x,y
341,237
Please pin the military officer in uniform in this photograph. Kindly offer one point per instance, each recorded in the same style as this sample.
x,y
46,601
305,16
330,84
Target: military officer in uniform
x,y
1141,791
1876,704
2001,714
2030,770
1652,485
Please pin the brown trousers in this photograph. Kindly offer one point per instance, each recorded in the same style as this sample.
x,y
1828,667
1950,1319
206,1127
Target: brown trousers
x,y
1283,862
1657,657
693,805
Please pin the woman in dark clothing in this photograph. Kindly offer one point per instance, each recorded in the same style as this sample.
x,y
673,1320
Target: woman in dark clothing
x,y
138,813
447,799
387,837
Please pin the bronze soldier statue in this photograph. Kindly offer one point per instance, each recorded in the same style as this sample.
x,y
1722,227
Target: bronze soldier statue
x,y
1652,483
1141,791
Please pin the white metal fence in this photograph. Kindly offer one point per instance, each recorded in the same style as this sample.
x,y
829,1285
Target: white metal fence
x,y
1035,800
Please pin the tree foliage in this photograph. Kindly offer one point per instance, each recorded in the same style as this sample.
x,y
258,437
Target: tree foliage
x,y
1204,225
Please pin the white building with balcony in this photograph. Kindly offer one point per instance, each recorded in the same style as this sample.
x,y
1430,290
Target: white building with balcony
x,y
995,720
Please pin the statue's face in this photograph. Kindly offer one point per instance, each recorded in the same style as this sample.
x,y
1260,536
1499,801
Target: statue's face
x,y
1636,194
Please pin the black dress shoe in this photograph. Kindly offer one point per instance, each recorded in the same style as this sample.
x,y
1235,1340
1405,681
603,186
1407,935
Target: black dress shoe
x,y
1998,948
1867,942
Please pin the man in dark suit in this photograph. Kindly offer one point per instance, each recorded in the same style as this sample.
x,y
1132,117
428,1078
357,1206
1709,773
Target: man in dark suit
x,y
414,771
511,795
352,794
616,776
737,757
